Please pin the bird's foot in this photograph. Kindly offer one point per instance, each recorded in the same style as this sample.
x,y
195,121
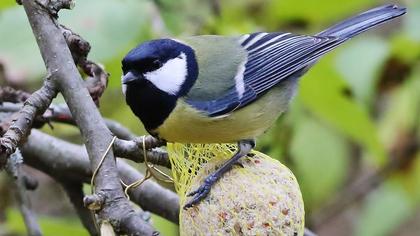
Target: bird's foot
x,y
202,191
244,147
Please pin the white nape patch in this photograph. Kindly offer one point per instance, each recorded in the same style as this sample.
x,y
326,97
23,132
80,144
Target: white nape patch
x,y
124,86
170,77
239,79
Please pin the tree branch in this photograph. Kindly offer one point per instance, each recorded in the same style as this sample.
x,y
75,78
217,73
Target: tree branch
x,y
80,48
36,104
14,169
133,150
9,94
75,193
59,62
63,160
127,146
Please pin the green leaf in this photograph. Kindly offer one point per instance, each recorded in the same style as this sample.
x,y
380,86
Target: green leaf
x,y
385,209
320,157
362,75
323,93
6,4
401,115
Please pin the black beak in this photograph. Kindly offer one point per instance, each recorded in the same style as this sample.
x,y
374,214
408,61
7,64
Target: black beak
x,y
129,77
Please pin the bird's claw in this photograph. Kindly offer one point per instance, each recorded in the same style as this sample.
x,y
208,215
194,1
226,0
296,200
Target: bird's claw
x,y
244,147
194,192
201,192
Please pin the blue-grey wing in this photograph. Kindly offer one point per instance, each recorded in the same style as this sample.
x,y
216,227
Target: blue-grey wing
x,y
272,57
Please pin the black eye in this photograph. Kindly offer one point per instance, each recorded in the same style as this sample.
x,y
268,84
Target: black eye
x,y
157,63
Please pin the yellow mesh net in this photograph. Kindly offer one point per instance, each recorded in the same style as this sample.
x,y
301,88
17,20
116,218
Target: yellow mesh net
x,y
259,196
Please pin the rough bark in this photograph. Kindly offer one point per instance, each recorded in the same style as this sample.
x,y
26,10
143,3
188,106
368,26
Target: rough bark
x,y
97,137
64,160
36,104
14,168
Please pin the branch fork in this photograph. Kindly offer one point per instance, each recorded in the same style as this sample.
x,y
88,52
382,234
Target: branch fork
x,y
56,54
36,104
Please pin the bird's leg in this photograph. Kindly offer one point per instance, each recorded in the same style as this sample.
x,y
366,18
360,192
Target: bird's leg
x,y
244,147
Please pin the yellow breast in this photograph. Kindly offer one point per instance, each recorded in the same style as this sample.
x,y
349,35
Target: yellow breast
x,y
187,125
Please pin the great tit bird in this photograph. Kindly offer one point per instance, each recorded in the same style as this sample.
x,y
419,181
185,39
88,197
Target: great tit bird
x,y
224,89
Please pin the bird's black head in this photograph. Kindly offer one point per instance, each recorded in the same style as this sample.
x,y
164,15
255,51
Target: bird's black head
x,y
166,64
155,75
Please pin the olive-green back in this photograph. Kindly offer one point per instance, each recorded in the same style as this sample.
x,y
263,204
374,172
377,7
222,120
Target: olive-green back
x,y
219,58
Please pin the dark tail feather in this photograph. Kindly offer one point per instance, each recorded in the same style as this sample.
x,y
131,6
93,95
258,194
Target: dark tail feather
x,y
364,21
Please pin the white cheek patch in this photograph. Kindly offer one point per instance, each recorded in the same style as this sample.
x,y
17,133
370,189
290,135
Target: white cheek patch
x,y
171,76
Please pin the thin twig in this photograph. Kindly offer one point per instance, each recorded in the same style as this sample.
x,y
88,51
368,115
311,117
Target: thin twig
x,y
36,104
80,48
13,167
9,94
133,150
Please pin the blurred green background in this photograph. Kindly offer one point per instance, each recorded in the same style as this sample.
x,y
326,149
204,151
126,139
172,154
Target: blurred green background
x,y
351,135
